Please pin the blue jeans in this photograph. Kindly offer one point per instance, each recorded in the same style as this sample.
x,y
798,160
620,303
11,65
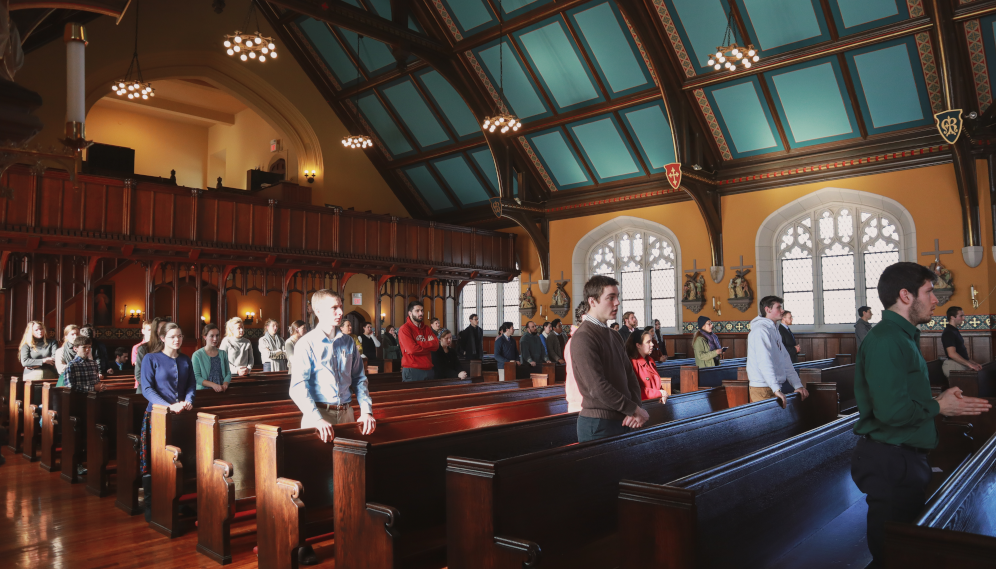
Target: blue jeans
x,y
414,374
592,429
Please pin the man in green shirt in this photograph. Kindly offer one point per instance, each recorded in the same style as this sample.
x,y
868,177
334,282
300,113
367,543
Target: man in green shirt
x,y
892,389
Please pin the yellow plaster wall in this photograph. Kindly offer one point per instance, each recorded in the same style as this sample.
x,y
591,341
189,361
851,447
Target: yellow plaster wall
x,y
929,194
246,145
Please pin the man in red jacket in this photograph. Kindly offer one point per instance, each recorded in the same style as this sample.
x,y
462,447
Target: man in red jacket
x,y
417,344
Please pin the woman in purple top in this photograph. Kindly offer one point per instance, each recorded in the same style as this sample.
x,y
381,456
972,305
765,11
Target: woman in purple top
x,y
167,379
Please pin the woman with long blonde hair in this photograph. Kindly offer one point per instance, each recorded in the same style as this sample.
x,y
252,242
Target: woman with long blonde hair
x,y
37,352
238,347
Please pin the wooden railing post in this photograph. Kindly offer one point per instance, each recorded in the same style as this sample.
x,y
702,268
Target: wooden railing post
x,y
127,212
271,222
195,195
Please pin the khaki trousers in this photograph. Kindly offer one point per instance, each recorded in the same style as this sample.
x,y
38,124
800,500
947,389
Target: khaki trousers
x,y
761,393
950,365
335,417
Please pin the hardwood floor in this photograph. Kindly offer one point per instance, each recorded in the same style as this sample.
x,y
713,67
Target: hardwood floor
x,y
50,523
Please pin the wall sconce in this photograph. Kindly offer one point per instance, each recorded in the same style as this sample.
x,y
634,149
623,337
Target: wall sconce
x,y
250,318
134,317
975,302
717,306
310,176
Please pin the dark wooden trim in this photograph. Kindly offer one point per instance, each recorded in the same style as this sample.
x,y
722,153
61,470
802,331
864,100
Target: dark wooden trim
x,y
379,80
353,58
631,142
828,17
515,24
770,102
532,74
587,58
852,94
443,185
581,155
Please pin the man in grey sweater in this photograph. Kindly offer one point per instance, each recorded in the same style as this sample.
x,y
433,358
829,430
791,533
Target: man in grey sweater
x,y
531,347
863,325
610,390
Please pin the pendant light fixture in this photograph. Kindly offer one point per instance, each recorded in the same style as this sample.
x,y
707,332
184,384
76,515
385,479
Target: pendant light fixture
x,y
730,53
503,122
133,85
250,46
360,141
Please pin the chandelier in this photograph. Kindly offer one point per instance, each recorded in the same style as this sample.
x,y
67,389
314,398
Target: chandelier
x,y
731,53
360,141
503,122
250,46
133,84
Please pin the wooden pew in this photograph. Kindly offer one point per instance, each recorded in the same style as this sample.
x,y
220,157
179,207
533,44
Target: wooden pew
x,y
101,437
692,378
956,529
980,383
226,488
794,497
51,437
15,413
131,414
32,406
568,512
174,471
371,489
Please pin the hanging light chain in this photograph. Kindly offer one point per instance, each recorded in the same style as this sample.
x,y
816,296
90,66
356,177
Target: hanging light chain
x,y
250,46
503,122
731,53
135,87
360,141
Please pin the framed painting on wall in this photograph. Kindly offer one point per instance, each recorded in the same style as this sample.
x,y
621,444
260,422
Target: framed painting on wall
x,y
103,305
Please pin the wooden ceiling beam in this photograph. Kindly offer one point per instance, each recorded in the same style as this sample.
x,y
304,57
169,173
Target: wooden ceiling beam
x,y
904,28
339,13
515,24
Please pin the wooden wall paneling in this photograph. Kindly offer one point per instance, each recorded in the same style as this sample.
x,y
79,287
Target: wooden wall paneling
x,y
142,211
93,206
423,243
385,238
327,229
207,217
113,209
183,216
244,223
50,205
226,221
162,214
359,237
408,243
345,234
437,236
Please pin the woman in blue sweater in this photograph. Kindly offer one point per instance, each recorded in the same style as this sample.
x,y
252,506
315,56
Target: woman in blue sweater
x,y
167,379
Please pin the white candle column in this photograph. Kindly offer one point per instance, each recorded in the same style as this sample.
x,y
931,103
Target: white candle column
x,y
75,37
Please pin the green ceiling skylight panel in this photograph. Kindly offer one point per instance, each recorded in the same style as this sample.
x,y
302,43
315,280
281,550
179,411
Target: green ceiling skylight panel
x,y
470,16
813,103
744,119
512,8
776,26
451,104
557,62
891,90
414,111
386,128
614,52
559,159
486,164
329,49
649,126
461,179
521,93
429,188
602,143
375,56
701,25
853,16
383,9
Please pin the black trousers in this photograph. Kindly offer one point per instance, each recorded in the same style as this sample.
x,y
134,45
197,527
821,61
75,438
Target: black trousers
x,y
895,480
413,374
592,429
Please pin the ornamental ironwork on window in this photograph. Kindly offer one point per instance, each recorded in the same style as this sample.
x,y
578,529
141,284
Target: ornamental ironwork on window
x,y
646,267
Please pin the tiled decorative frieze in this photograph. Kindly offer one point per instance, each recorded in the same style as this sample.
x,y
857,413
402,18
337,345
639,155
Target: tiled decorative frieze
x,y
643,50
136,333
536,162
915,8
450,24
476,65
672,35
927,61
713,123
977,322
977,55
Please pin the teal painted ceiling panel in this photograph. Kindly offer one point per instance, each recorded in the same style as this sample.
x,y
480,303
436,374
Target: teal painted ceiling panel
x,y
471,15
779,23
745,119
603,144
703,23
610,48
555,59
890,90
459,176
486,163
509,6
427,185
414,111
857,12
451,104
560,159
520,92
653,133
381,121
383,9
813,102
376,56
330,49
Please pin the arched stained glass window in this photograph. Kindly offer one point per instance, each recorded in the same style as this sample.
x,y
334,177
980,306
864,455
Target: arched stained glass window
x,y
645,265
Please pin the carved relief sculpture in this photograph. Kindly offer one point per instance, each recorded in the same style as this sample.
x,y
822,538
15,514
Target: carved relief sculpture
x,y
944,287
741,295
561,302
527,303
693,292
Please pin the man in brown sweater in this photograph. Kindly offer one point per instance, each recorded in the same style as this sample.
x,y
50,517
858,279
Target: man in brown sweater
x,y
610,390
